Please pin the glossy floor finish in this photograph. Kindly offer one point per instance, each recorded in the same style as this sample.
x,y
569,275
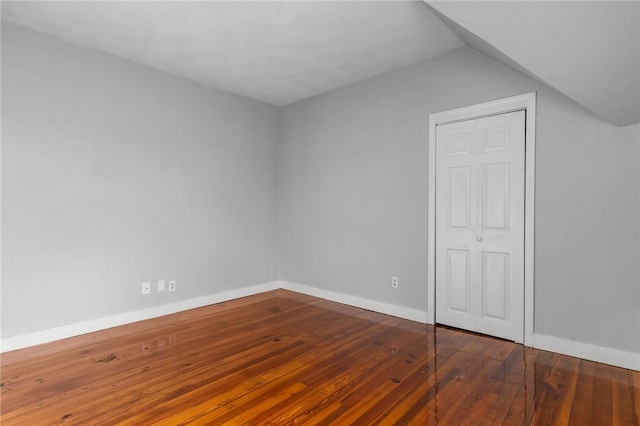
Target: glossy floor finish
x,y
283,358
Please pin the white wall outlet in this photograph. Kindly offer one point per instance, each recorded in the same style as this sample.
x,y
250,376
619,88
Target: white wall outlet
x,y
172,285
161,285
146,287
394,282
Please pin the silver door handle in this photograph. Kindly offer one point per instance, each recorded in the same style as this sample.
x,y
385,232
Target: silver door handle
x,y
478,238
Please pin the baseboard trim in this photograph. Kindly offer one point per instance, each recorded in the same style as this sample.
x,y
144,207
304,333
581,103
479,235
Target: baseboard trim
x,y
84,327
359,302
595,353
590,352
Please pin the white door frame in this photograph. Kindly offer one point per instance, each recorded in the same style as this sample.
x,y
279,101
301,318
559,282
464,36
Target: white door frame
x,y
526,102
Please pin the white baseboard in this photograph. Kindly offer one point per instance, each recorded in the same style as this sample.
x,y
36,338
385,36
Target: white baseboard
x,y
600,354
77,329
359,302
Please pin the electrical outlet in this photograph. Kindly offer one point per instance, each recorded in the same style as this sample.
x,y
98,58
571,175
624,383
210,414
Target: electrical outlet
x,y
146,287
172,285
394,282
161,285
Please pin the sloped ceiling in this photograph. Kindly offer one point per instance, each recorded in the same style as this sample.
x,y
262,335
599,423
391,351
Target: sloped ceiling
x,y
283,51
589,51
275,51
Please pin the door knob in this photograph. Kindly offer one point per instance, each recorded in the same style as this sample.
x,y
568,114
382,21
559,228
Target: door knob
x,y
478,238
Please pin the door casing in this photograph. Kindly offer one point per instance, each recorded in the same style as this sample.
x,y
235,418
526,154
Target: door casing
x,y
526,102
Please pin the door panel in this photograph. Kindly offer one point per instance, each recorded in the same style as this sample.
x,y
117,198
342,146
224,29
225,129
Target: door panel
x,y
458,275
495,186
480,225
459,201
495,139
495,285
459,143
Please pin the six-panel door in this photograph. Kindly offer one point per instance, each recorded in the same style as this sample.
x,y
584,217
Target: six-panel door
x,y
480,225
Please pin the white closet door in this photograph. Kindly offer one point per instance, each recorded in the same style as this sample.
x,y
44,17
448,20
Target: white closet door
x,y
480,225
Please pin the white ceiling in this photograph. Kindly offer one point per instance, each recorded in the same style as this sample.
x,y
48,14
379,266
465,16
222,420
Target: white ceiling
x,y
587,50
283,51
276,52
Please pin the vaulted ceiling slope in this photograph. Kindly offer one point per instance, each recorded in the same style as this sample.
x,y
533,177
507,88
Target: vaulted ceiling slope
x,y
284,51
587,50
275,51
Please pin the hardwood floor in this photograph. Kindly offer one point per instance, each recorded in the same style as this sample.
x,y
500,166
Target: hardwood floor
x,y
283,358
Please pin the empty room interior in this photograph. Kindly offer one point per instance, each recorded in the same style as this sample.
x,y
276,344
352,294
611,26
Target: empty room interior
x,y
320,212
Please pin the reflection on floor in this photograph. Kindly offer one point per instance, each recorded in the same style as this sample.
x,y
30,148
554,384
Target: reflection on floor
x,y
282,357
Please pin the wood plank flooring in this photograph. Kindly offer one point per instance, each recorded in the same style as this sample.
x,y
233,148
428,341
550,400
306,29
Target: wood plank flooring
x,y
283,358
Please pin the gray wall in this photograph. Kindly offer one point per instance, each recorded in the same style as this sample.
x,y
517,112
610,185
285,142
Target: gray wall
x,y
114,173
353,196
